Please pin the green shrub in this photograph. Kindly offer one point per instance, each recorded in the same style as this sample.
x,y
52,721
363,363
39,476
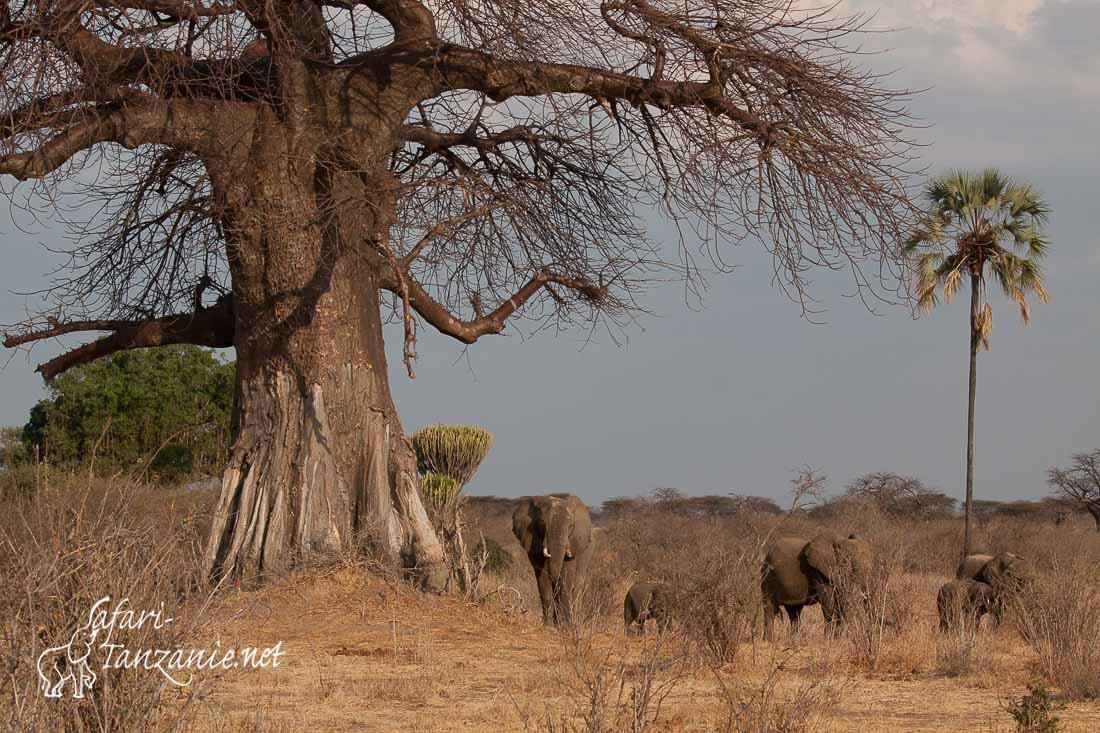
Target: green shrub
x,y
1034,712
166,409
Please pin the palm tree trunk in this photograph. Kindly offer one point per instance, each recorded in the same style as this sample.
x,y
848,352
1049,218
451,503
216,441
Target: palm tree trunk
x,y
975,337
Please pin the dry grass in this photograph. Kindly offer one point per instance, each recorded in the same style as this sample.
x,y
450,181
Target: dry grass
x,y
1058,614
365,652
75,542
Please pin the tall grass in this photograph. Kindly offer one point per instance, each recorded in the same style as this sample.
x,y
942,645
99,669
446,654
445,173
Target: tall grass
x,y
69,544
1058,614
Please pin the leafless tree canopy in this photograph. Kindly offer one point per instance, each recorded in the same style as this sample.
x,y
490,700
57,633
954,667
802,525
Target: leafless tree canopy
x,y
900,496
510,149
1080,483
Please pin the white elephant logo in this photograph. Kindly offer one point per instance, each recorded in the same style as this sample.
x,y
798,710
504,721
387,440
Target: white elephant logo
x,y
68,663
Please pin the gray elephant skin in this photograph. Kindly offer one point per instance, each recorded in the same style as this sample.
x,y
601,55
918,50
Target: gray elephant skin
x,y
556,533
1005,573
646,601
964,600
824,570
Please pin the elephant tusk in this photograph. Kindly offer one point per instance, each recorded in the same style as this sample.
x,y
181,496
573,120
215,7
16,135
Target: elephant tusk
x,y
545,552
568,555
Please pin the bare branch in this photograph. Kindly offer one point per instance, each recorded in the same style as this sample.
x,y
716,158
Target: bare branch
x,y
212,326
190,126
469,331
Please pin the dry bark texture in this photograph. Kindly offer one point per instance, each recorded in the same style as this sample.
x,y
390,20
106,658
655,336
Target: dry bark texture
x,y
283,176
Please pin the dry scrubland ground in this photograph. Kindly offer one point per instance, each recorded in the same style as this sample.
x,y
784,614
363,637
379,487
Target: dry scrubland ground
x,y
362,652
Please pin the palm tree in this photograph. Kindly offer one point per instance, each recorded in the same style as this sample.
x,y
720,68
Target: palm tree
x,y
979,223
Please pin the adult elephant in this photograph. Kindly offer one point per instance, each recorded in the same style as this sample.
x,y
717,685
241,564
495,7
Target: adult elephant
x,y
1005,573
556,533
827,570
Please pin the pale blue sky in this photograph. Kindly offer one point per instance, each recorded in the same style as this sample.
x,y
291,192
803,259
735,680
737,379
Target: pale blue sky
x,y
733,397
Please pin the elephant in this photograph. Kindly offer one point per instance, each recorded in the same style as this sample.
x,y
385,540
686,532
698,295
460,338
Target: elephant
x,y
826,569
556,533
1005,573
646,601
964,600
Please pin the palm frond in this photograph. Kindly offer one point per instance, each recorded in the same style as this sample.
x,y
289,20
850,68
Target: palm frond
x,y
968,208
985,323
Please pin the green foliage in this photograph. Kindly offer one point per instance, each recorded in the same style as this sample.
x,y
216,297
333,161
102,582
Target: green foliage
x,y
497,558
1034,712
21,479
168,406
12,450
979,221
438,488
452,450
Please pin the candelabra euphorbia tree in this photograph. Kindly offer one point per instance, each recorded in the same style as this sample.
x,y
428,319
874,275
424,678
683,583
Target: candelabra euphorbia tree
x,y
275,176
449,456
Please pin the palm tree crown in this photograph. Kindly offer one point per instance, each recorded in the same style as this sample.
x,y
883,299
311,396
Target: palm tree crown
x,y
975,220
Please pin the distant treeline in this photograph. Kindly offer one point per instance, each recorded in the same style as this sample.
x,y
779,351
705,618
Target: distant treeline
x,y
900,499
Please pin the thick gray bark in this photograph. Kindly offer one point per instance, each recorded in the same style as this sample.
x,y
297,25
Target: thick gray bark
x,y
319,459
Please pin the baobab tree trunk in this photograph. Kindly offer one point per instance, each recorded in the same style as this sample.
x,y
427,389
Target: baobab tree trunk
x,y
318,455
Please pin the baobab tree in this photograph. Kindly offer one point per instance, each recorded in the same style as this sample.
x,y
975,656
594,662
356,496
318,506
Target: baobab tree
x,y
282,176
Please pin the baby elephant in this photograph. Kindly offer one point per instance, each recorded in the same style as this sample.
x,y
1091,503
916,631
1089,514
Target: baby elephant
x,y
646,601
964,600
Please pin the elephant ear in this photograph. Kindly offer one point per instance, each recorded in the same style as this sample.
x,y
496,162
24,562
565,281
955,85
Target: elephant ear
x,y
523,524
993,572
821,554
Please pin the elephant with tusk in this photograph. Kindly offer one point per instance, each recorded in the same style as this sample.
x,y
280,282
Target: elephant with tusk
x,y
556,533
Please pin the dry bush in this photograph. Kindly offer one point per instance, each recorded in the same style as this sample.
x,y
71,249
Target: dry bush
x,y
65,547
1058,614
711,565
716,597
599,596
961,650
778,704
608,690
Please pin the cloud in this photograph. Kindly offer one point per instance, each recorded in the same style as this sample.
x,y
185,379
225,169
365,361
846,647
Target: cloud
x,y
1043,48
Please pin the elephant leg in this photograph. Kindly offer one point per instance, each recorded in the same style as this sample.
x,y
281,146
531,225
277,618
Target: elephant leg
x,y
794,615
771,610
998,614
568,593
546,595
831,613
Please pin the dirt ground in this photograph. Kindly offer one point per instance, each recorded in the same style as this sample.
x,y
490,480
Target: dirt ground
x,y
361,654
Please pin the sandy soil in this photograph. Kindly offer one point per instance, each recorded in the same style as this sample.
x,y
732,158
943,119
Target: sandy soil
x,y
360,654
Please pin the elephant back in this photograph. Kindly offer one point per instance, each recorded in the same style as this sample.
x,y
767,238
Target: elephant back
x,y
971,566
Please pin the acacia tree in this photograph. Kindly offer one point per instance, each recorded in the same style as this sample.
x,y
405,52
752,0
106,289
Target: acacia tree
x,y
1079,485
900,496
281,176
